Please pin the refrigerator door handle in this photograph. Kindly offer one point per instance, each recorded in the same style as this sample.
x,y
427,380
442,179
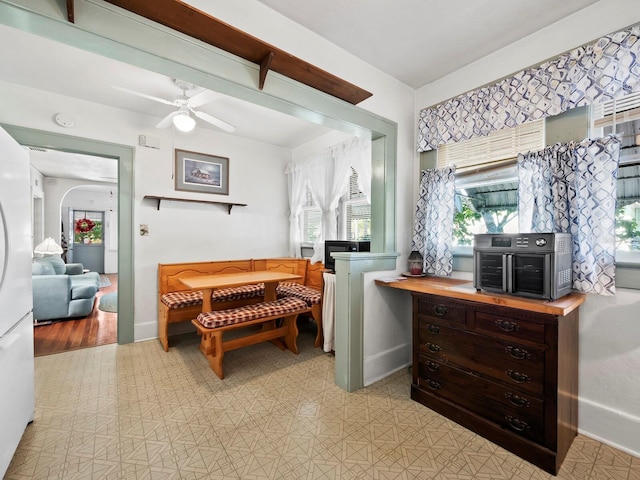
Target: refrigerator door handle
x,y
7,341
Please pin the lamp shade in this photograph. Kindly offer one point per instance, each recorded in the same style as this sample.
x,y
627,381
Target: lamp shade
x,y
48,247
184,122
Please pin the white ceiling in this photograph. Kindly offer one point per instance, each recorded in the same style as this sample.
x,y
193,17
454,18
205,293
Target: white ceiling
x,y
419,41
415,41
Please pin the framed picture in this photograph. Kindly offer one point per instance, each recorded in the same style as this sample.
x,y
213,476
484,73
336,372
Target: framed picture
x,y
199,172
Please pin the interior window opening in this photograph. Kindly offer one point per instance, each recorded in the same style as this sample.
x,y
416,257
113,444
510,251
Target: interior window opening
x,y
353,215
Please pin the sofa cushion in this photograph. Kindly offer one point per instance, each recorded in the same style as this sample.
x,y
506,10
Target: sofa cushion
x,y
57,263
291,289
83,291
74,269
42,267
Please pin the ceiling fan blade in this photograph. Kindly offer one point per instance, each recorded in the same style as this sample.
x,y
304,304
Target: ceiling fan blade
x,y
203,97
166,121
144,95
214,121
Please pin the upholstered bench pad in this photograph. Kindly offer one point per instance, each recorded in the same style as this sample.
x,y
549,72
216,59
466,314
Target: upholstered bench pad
x,y
221,318
181,299
237,293
291,289
184,299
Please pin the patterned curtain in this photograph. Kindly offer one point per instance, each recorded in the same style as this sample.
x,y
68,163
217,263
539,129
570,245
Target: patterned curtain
x,y
433,226
604,70
571,188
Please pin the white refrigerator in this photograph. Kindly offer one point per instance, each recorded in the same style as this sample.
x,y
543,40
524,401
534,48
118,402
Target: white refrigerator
x,y
17,395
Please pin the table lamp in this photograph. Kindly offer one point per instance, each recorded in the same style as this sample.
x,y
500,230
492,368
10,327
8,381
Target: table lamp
x,y
48,247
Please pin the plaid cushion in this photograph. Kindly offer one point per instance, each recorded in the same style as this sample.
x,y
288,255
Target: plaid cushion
x,y
175,300
184,299
308,294
232,316
237,293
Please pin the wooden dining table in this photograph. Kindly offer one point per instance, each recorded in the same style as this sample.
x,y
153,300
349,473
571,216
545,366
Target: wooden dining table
x,y
207,283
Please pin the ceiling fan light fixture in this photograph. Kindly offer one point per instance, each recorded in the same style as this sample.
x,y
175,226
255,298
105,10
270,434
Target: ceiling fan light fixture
x,y
184,122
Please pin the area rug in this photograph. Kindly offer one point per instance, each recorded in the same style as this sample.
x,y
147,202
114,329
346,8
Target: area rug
x,y
109,302
104,281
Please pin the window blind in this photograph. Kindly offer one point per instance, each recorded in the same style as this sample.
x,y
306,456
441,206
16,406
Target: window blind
x,y
496,147
625,109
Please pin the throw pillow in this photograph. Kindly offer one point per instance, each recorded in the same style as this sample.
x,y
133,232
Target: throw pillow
x,y
57,263
41,267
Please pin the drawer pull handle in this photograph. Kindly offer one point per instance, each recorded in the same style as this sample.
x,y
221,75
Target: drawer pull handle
x,y
433,347
517,353
517,425
433,329
506,326
433,366
440,310
433,385
518,377
517,400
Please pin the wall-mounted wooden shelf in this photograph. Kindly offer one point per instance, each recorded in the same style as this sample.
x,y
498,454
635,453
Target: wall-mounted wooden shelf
x,y
229,205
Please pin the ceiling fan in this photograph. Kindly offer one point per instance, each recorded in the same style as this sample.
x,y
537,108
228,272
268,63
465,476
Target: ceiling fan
x,y
182,118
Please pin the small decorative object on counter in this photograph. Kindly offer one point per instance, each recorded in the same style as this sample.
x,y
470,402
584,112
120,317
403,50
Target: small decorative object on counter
x,y
415,263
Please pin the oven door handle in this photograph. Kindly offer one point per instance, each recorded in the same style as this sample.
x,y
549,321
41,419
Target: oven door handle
x,y
507,272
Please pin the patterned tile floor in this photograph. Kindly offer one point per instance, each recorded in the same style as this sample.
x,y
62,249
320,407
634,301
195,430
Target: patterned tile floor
x,y
136,412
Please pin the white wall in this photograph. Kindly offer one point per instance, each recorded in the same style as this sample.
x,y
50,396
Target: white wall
x,y
179,231
609,332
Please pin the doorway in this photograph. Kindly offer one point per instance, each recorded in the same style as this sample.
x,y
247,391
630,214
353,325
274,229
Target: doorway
x,y
124,156
87,245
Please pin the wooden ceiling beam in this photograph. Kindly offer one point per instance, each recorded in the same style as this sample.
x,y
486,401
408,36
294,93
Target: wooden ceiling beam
x,y
197,24
71,16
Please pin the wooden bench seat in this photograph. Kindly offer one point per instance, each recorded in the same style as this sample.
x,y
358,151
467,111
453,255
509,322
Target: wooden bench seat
x,y
212,325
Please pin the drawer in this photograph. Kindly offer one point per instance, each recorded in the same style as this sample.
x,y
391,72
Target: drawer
x,y
521,367
526,405
530,427
441,310
509,327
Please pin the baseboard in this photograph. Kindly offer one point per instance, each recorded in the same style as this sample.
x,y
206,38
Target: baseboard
x,y
376,367
145,331
611,427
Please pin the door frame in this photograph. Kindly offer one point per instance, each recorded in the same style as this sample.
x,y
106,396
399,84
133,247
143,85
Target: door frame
x,y
124,155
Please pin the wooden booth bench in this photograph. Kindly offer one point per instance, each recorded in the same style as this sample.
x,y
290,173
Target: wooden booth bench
x,y
177,303
212,325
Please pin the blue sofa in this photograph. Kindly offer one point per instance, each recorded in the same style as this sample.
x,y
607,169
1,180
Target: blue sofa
x,y
62,290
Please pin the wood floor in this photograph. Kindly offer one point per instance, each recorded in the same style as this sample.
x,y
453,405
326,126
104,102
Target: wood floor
x,y
99,328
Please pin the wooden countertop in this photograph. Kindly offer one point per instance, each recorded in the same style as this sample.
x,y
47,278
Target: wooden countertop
x,y
463,289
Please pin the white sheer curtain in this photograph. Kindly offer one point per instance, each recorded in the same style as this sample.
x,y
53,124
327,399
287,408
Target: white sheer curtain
x,y
327,174
296,185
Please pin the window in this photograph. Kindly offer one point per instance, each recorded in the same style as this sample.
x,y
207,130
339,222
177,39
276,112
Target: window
x,y
487,180
87,227
354,215
485,203
623,117
311,219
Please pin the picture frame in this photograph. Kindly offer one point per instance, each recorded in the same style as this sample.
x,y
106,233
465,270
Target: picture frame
x,y
202,173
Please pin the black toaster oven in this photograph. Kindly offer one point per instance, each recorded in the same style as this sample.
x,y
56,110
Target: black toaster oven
x,y
534,265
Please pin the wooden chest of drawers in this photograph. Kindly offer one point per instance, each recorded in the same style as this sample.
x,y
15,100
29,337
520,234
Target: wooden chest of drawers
x,y
508,374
